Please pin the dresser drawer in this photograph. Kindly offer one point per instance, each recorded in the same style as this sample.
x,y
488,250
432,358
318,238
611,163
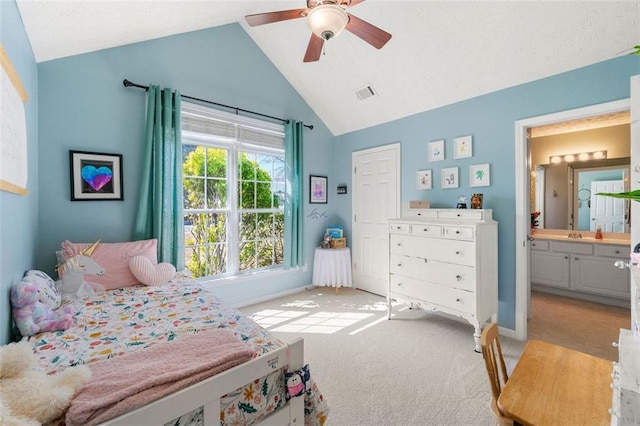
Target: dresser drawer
x,y
541,245
426,230
460,214
620,252
420,213
433,294
399,228
450,251
460,232
446,274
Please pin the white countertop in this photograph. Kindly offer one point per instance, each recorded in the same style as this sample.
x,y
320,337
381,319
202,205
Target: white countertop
x,y
585,238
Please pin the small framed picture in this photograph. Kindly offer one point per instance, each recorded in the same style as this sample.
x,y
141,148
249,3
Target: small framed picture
x,y
436,150
317,189
463,147
424,179
479,175
449,177
95,176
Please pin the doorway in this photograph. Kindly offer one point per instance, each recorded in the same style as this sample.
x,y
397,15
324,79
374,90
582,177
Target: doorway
x,y
523,191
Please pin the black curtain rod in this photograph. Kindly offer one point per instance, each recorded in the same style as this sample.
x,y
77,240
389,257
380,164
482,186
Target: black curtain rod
x,y
127,83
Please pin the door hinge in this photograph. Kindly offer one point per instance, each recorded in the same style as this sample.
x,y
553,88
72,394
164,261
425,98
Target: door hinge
x,y
355,217
355,170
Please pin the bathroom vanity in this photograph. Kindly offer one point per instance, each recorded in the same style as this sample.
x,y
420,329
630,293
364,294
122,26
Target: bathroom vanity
x,y
581,267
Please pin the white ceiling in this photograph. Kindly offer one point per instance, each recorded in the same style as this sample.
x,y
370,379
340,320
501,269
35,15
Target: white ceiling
x,y
441,52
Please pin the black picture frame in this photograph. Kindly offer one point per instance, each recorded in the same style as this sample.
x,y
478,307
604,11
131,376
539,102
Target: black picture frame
x,y
318,186
95,176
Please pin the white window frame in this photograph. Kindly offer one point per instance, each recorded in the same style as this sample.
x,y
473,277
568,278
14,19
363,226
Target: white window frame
x,y
233,146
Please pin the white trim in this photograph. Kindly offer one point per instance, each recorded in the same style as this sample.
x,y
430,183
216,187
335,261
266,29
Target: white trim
x,y
523,167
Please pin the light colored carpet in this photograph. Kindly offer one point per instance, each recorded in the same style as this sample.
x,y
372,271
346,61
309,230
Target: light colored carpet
x,y
419,368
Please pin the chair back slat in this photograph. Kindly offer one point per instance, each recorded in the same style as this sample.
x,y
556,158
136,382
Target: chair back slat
x,y
496,368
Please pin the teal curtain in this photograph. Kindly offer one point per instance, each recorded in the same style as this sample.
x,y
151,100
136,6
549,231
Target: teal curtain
x,y
160,204
293,212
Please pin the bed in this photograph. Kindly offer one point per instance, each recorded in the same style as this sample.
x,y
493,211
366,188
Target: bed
x,y
119,323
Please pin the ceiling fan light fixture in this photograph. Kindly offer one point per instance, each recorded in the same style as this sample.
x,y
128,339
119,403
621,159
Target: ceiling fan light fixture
x,y
327,20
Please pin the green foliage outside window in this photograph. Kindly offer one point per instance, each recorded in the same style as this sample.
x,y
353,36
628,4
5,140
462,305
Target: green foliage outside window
x,y
261,220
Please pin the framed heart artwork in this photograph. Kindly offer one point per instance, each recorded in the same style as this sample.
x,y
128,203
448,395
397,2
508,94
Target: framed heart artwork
x,y
95,176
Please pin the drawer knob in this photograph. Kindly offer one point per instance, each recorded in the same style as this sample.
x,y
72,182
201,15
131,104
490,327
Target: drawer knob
x,y
617,251
426,260
399,284
399,244
457,232
458,277
458,299
425,229
534,244
399,265
457,252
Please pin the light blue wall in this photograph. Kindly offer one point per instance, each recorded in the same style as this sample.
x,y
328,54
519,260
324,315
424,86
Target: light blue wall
x,y
18,214
490,120
84,106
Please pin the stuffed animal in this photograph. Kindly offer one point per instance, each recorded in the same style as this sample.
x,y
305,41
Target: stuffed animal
x,y
33,397
35,305
297,382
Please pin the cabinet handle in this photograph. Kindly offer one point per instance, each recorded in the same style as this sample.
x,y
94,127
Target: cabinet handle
x,y
457,252
566,257
458,299
399,244
577,258
399,265
457,232
458,215
399,284
426,260
425,229
617,251
533,244
458,277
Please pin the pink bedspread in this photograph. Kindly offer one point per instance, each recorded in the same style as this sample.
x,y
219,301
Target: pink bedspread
x,y
129,381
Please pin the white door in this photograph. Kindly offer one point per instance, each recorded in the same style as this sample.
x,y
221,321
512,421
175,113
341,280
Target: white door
x,y
376,199
606,212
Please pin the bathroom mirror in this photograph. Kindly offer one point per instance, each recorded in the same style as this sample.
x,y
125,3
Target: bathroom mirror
x,y
563,188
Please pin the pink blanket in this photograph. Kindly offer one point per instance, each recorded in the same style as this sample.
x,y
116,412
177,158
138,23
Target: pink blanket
x,y
128,381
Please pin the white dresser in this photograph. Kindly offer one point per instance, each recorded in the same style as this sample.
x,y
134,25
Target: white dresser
x,y
446,260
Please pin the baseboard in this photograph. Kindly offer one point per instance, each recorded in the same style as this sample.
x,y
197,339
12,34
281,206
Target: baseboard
x,y
606,300
269,297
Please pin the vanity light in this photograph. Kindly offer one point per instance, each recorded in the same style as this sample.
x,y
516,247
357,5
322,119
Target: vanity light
x,y
582,156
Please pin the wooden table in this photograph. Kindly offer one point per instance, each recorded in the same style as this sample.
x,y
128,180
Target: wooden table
x,y
553,385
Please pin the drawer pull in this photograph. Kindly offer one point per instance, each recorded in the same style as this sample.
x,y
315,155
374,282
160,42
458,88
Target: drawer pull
x,y
457,232
399,244
458,299
399,265
425,229
566,257
399,284
458,215
426,260
617,251
458,277
457,252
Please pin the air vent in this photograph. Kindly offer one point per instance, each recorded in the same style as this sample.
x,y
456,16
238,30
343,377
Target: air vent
x,y
365,92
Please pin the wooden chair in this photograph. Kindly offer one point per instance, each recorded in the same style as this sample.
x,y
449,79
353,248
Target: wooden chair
x,y
496,369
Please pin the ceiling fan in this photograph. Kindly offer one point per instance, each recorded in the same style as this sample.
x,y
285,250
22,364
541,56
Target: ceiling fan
x,y
327,19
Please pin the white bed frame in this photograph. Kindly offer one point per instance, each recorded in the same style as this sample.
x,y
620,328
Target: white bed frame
x,y
207,393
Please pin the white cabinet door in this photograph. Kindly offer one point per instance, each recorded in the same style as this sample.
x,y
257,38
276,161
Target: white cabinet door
x,y
598,275
550,268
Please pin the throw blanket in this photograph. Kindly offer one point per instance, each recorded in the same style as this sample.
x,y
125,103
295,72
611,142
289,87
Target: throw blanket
x,y
131,380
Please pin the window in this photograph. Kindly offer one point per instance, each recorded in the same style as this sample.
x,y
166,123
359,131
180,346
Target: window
x,y
234,186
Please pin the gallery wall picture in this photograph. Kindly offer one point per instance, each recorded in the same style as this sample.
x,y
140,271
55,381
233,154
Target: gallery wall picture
x,y
479,175
436,150
449,178
463,147
424,180
95,176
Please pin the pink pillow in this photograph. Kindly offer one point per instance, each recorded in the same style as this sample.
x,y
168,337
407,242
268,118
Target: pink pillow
x,y
150,274
114,258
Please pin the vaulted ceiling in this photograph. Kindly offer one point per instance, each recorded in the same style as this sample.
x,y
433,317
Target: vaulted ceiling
x,y
441,51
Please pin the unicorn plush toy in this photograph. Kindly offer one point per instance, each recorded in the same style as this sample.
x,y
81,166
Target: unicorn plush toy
x,y
73,271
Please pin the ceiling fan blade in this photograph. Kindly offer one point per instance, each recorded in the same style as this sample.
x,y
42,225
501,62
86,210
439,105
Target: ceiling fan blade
x,y
368,32
269,17
314,49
